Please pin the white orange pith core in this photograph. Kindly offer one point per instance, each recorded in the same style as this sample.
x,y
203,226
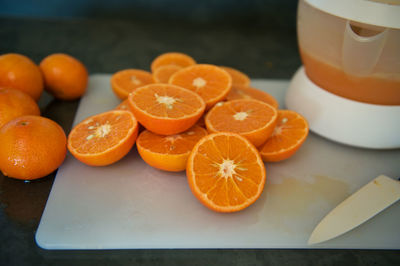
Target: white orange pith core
x,y
278,128
135,80
199,82
99,130
173,138
240,116
167,100
227,168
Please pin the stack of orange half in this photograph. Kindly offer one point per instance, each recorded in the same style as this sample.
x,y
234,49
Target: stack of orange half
x,y
204,119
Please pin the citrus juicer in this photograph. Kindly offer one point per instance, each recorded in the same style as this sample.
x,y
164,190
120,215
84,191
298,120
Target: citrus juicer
x,y
348,88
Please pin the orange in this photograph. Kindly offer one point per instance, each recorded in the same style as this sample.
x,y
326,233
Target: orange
x,y
252,119
225,172
212,83
125,81
238,77
104,138
124,105
163,73
15,103
242,92
169,153
65,77
290,133
19,72
172,58
31,147
166,109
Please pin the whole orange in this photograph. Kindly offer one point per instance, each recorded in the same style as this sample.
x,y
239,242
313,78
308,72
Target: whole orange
x,y
31,147
19,72
14,103
65,77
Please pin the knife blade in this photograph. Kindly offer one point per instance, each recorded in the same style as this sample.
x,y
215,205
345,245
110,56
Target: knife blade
x,y
364,204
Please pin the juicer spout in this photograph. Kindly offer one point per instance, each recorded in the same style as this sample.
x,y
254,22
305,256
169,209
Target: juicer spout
x,y
362,48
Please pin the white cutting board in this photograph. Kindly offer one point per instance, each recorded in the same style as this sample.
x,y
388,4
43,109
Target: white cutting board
x,y
130,205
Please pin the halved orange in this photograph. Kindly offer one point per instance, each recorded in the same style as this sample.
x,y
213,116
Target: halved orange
x,y
169,153
290,133
238,77
225,172
104,138
163,73
172,58
252,119
125,81
212,83
166,109
124,105
244,92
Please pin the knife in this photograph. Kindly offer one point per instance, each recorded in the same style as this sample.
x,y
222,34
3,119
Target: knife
x,y
364,204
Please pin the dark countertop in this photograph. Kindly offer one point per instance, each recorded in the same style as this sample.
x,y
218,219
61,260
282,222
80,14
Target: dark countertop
x,y
262,50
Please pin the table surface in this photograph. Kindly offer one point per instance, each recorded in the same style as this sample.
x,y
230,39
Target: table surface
x,y
262,50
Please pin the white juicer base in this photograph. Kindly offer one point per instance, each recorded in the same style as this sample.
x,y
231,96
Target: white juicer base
x,y
343,120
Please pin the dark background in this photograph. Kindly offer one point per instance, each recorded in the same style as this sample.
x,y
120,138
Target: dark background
x,y
205,11
107,35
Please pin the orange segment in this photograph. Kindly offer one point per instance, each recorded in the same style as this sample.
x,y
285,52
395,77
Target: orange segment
x,y
242,92
238,77
172,58
163,73
104,138
225,172
212,83
125,81
252,119
290,133
166,109
169,153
